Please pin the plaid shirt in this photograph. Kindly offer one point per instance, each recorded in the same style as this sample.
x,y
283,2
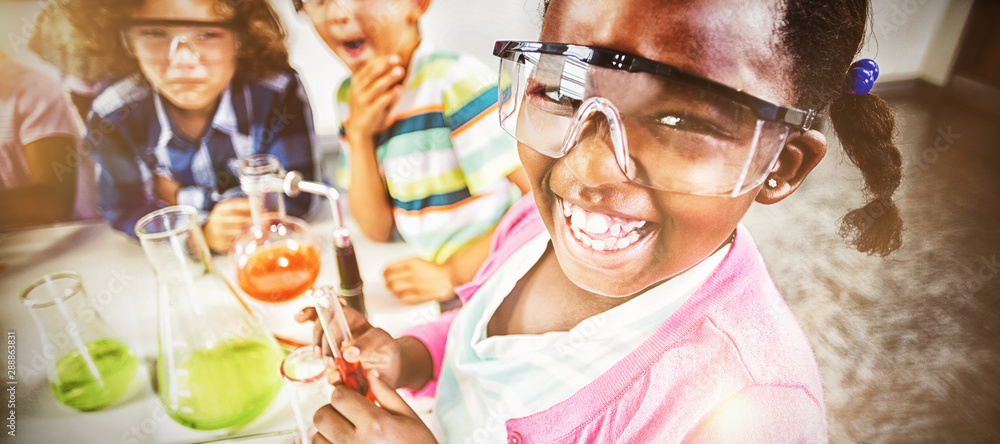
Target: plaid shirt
x,y
131,138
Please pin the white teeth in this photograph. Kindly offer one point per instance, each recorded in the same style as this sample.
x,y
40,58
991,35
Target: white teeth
x,y
578,219
615,229
597,224
608,244
622,243
632,237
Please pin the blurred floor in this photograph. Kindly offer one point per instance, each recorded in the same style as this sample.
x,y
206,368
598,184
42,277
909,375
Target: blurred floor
x,y
909,345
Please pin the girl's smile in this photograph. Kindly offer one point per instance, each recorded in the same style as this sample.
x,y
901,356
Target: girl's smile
x,y
602,232
602,241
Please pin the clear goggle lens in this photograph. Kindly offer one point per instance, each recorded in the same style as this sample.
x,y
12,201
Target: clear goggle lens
x,y
665,133
163,43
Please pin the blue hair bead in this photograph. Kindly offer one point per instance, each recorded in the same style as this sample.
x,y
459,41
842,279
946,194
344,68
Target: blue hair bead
x,y
861,77
868,64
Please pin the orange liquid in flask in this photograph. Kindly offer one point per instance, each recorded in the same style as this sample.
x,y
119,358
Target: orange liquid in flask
x,y
279,272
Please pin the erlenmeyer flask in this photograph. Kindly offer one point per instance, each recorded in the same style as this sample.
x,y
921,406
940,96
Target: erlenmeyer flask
x,y
277,258
217,367
88,367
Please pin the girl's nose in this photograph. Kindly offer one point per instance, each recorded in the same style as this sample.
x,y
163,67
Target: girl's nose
x,y
595,144
181,52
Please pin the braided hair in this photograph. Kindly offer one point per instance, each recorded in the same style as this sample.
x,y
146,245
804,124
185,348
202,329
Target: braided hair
x,y
823,37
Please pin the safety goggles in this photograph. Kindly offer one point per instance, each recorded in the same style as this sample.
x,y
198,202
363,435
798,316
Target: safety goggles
x,y
161,41
669,129
314,5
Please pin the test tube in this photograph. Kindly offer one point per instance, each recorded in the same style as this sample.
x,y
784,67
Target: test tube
x,y
338,334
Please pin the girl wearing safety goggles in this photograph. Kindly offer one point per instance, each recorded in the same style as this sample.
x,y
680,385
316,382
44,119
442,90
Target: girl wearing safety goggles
x,y
624,301
200,83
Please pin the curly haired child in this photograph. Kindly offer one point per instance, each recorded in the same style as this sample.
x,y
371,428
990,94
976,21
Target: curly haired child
x,y
199,83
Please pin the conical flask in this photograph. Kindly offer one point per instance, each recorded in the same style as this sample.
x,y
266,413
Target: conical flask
x,y
277,257
88,367
217,367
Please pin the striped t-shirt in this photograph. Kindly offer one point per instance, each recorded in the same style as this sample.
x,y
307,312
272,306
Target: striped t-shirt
x,y
443,155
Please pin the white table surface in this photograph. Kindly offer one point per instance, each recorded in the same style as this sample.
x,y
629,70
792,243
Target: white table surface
x,y
120,281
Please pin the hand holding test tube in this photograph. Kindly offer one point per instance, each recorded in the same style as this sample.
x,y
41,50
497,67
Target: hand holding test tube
x,y
338,334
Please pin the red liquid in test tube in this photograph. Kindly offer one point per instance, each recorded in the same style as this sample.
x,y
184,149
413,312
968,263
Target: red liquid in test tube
x,y
338,334
353,376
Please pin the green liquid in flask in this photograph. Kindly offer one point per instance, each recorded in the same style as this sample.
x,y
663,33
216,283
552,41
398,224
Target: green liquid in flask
x,y
224,386
76,385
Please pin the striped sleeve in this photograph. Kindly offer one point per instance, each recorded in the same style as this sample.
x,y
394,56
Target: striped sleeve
x,y
342,175
485,153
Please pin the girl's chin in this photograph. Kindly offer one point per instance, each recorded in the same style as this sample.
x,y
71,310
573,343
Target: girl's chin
x,y
191,103
610,271
608,286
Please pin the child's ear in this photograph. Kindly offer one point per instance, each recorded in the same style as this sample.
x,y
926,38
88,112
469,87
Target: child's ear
x,y
418,8
802,152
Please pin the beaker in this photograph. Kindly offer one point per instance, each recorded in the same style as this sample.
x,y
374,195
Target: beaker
x,y
305,382
277,257
217,366
88,368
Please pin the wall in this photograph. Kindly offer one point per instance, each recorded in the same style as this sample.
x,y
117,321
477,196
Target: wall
x,y
916,39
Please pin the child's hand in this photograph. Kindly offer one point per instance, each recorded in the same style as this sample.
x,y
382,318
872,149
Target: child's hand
x,y
165,189
415,280
349,417
374,89
226,221
373,347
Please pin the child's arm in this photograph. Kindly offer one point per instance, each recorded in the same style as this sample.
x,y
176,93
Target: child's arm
x,y
415,280
519,178
367,197
374,89
121,189
226,220
49,195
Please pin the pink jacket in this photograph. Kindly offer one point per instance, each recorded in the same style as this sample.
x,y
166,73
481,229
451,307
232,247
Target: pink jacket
x,y
731,364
